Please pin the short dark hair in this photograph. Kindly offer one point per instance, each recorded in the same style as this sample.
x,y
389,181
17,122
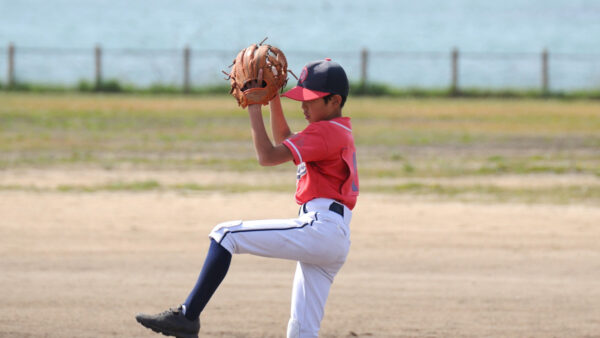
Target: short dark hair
x,y
328,97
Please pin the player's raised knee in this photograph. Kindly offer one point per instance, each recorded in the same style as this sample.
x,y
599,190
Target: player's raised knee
x,y
219,231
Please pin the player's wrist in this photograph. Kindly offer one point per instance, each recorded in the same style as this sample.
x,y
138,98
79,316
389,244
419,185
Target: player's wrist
x,y
252,108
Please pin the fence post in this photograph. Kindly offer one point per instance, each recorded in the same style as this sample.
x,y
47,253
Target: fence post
x,y
454,86
98,62
364,59
186,69
11,65
545,77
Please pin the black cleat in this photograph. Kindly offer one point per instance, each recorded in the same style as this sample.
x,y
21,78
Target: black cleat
x,y
170,323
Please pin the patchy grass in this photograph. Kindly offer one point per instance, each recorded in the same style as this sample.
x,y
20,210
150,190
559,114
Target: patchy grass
x,y
554,194
414,138
468,192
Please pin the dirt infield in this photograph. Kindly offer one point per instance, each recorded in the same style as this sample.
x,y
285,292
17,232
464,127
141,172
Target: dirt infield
x,y
82,264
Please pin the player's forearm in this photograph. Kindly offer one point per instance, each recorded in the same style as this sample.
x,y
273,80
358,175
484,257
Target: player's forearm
x,y
267,154
279,125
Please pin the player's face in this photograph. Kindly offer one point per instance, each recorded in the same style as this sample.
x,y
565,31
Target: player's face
x,y
318,110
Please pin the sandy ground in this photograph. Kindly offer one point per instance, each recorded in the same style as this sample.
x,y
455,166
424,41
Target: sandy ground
x,y
82,265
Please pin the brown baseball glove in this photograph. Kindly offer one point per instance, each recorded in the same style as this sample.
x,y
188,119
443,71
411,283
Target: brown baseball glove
x,y
245,72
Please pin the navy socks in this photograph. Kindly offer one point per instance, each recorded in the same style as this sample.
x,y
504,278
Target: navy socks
x,y
213,272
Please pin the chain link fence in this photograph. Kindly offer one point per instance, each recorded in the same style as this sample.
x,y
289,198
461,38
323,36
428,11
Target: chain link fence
x,y
456,69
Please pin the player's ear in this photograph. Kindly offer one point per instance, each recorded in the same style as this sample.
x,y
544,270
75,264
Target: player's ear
x,y
337,100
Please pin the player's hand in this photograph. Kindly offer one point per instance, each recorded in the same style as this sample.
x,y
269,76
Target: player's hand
x,y
275,98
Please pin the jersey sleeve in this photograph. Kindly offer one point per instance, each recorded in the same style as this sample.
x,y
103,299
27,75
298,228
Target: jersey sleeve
x,y
308,145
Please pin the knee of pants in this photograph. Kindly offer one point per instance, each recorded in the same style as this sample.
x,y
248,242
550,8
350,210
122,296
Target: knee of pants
x,y
220,231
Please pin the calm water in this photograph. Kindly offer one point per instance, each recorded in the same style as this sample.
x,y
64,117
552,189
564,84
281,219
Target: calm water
x,y
307,30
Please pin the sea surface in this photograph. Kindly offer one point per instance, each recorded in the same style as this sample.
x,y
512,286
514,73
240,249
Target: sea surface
x,y
409,43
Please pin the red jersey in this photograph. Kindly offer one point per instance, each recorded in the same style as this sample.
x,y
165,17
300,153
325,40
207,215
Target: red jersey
x,y
326,158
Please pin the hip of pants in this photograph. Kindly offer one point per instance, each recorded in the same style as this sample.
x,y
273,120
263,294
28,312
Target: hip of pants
x,y
317,236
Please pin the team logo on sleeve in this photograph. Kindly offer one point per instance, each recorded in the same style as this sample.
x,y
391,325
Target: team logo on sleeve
x,y
301,171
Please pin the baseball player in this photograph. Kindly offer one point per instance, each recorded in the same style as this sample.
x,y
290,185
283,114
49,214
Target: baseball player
x,y
327,189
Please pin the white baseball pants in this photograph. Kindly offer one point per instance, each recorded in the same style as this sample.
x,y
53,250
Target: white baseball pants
x,y
318,239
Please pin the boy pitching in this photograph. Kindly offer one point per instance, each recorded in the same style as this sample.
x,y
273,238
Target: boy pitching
x,y
327,189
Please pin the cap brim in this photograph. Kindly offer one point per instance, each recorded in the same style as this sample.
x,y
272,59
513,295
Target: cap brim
x,y
302,94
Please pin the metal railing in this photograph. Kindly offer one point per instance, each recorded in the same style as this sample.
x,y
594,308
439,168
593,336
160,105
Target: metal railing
x,y
188,67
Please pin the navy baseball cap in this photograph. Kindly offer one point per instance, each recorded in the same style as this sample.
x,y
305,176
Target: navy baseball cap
x,y
319,79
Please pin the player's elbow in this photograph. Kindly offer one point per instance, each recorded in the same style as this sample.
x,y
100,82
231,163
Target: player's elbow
x,y
265,161
272,156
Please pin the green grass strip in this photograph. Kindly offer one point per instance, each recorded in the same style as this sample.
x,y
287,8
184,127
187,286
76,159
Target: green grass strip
x,y
552,194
